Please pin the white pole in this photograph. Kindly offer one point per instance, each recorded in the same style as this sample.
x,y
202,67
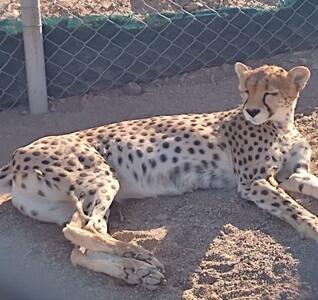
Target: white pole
x,y
34,56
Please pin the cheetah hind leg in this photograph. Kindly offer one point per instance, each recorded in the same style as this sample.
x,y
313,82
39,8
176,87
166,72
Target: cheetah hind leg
x,y
98,251
105,254
5,186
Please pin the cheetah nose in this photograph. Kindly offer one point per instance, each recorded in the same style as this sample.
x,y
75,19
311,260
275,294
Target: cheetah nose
x,y
253,112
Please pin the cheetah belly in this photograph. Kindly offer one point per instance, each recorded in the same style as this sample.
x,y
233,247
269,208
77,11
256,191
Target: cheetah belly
x,y
167,179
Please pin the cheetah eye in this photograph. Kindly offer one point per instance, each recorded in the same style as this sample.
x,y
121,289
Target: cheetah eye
x,y
244,94
270,94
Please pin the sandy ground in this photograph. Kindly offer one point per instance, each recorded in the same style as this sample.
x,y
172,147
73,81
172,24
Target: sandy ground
x,y
213,244
11,8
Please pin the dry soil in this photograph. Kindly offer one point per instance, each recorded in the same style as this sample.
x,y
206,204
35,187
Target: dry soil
x,y
11,8
213,244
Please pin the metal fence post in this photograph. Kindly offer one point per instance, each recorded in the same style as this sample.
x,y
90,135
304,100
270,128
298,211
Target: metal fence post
x,y
34,56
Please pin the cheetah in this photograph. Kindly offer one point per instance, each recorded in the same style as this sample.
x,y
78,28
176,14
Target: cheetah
x,y
72,179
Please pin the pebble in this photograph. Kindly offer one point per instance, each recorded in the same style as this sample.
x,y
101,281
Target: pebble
x,y
24,112
183,77
193,6
213,81
132,88
157,83
52,108
229,228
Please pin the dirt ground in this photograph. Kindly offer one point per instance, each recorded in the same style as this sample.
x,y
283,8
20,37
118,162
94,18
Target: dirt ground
x,y
213,244
11,8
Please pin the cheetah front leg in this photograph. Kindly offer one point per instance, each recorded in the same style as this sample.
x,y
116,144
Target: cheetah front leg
x,y
304,183
300,180
95,249
266,194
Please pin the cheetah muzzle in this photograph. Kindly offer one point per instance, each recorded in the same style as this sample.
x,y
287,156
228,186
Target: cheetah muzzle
x,y
72,179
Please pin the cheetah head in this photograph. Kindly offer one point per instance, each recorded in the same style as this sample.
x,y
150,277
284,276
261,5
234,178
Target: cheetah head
x,y
270,92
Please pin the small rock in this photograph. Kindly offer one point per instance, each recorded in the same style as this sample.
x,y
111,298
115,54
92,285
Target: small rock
x,y
52,108
192,75
213,81
229,228
183,77
193,6
132,88
109,6
206,278
298,53
24,112
157,83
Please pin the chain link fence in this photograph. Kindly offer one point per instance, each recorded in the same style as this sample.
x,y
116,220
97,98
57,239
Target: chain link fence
x,y
13,88
96,45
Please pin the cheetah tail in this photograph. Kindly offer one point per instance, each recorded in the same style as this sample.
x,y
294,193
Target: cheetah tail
x,y
5,179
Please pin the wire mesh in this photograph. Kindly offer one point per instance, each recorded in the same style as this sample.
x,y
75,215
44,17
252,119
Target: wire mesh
x,y
96,45
12,66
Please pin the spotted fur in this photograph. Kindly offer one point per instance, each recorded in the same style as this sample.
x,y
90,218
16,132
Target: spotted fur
x,y
72,179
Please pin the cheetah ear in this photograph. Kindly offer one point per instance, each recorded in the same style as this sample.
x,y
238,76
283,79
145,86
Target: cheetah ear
x,y
240,69
299,76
